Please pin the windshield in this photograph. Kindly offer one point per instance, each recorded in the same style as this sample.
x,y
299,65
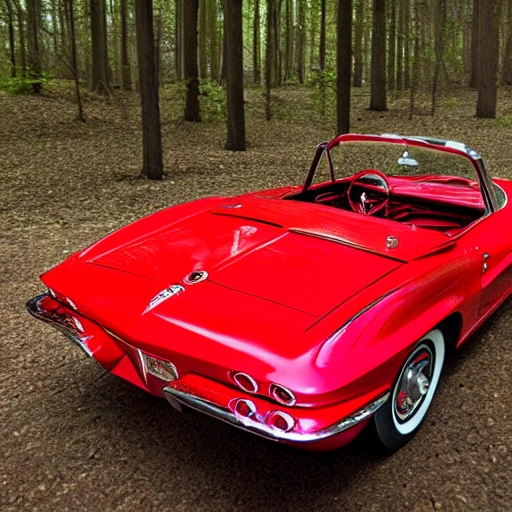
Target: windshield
x,y
421,164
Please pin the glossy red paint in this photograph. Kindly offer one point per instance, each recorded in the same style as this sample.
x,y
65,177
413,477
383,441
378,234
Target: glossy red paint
x,y
309,296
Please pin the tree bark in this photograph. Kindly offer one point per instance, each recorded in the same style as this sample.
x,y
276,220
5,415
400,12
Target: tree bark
x,y
190,12
301,41
70,15
506,73
269,57
152,164
21,34
214,40
235,75
488,58
203,52
344,64
439,22
178,40
34,56
100,82
378,65
126,71
358,44
256,44
12,45
323,15
392,45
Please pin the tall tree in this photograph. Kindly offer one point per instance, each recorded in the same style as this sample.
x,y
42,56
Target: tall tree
x,y
358,43
203,33
34,55
323,23
214,39
178,39
301,40
70,16
344,65
233,26
20,14
190,12
152,164
506,73
126,72
439,25
100,82
12,46
488,58
378,65
392,44
256,44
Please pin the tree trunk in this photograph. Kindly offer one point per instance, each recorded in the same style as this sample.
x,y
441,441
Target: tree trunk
x,y
190,11
269,57
344,64
289,40
392,45
417,68
34,56
203,52
100,82
256,44
70,16
233,26
488,58
152,165
178,43
301,41
214,40
399,85
126,71
323,15
358,44
12,46
378,66
439,22
407,40
506,73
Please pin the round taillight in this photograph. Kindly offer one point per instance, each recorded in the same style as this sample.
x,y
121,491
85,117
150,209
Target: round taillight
x,y
245,408
281,421
282,395
245,382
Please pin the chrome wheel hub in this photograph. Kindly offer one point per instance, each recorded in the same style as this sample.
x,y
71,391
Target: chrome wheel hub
x,y
413,384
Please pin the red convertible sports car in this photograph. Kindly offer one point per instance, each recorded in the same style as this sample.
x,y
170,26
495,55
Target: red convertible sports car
x,y
305,313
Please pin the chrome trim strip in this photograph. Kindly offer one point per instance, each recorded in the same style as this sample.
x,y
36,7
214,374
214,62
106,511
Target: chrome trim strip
x,y
34,308
266,431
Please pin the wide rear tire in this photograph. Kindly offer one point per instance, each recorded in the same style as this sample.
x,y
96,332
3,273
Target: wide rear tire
x,y
398,420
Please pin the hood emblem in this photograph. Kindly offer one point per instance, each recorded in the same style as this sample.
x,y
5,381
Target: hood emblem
x,y
164,295
196,277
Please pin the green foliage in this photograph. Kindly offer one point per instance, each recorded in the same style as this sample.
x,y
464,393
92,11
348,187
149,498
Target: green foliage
x,y
212,100
24,85
323,84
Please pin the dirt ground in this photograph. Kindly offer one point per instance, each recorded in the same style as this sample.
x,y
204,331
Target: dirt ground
x,y
75,438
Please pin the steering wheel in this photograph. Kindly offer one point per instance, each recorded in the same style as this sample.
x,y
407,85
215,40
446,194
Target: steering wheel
x,y
369,192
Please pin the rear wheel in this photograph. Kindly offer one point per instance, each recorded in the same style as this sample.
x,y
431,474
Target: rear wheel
x,y
396,422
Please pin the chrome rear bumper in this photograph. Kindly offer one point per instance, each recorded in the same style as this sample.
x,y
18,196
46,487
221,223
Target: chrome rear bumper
x,y
273,433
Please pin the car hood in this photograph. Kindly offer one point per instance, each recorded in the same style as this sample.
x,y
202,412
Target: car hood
x,y
245,252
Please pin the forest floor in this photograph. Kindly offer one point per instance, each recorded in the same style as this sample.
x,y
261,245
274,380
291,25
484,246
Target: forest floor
x,y
75,438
